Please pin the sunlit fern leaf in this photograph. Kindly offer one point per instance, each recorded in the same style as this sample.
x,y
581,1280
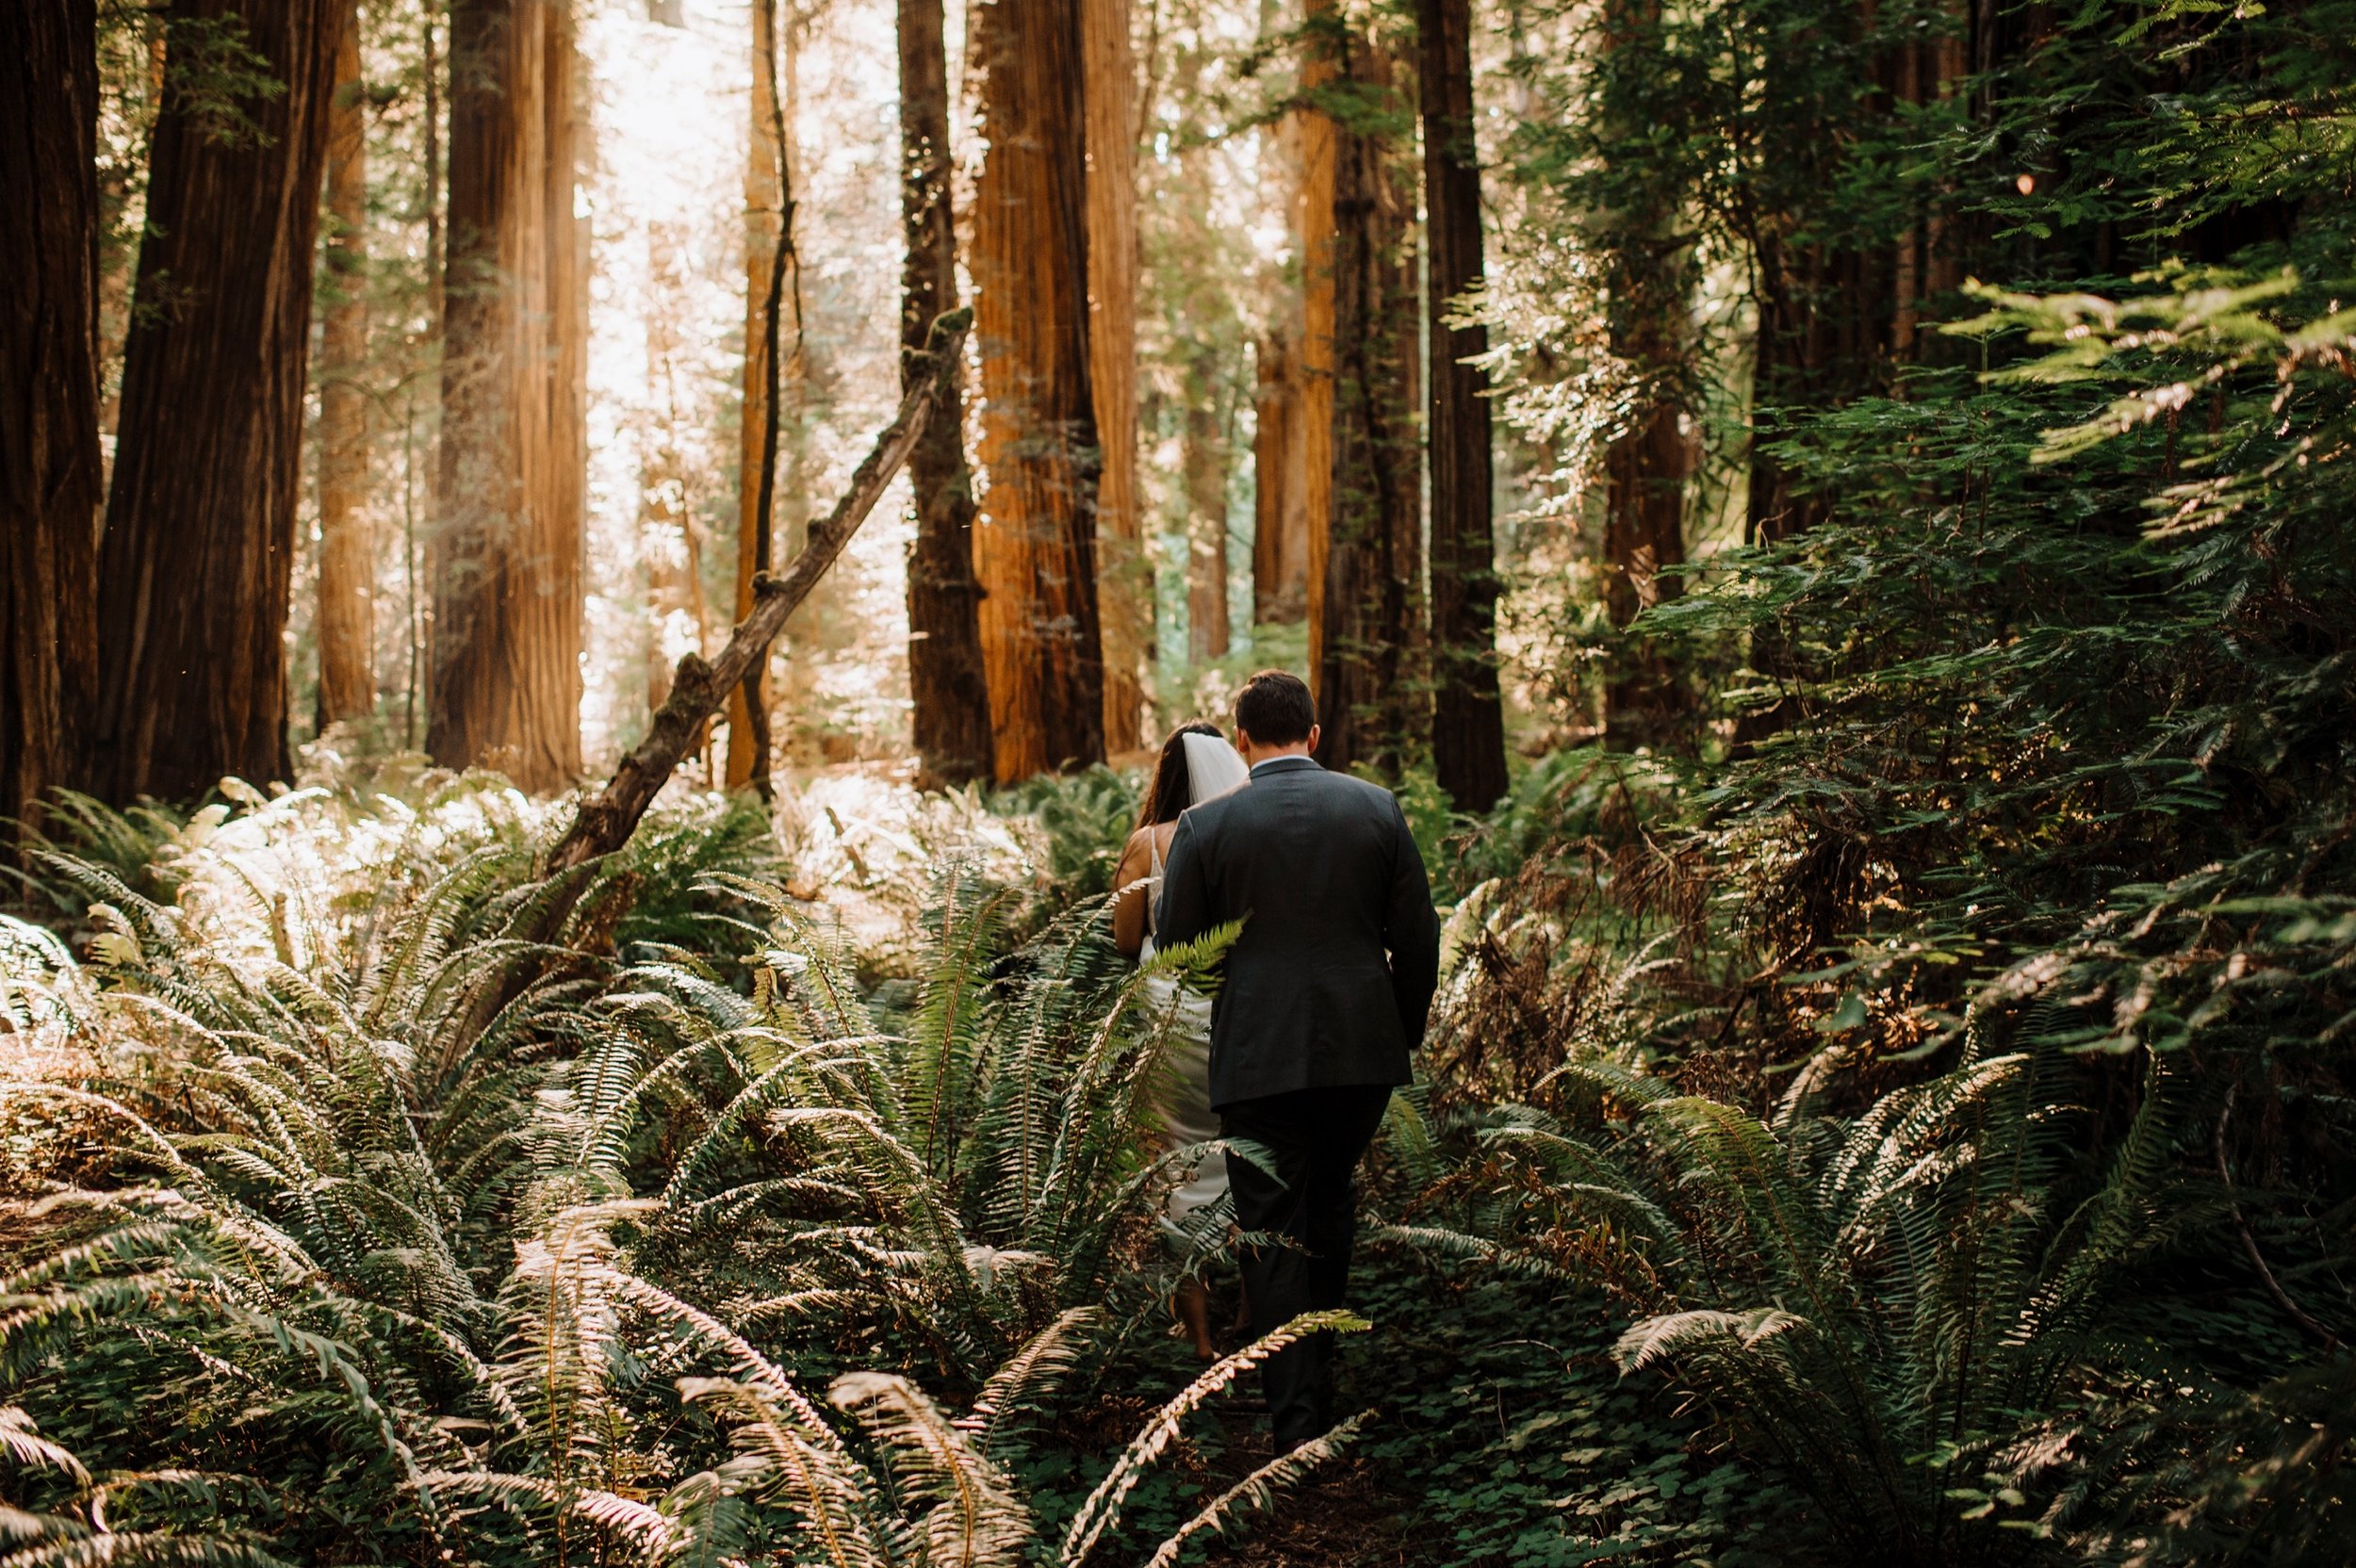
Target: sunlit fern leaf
x,y
1029,1378
1101,1509
1259,1490
964,930
971,1516
790,1458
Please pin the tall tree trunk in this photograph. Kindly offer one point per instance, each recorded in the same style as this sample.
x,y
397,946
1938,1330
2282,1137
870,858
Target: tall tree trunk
x,y
49,453
1203,460
1314,232
195,567
948,692
1035,548
768,282
1370,695
668,543
1125,578
347,605
507,567
1467,715
1646,466
1280,539
1644,534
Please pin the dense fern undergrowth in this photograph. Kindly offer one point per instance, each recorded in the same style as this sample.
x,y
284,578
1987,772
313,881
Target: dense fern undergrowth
x,y
1915,1128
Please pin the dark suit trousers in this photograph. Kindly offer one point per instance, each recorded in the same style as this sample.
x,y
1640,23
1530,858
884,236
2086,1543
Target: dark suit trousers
x,y
1317,1136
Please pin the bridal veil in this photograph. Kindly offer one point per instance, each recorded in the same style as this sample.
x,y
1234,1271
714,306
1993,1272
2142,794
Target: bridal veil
x,y
1213,768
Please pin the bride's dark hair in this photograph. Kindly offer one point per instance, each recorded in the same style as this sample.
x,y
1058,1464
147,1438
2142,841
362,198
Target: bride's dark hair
x,y
1172,790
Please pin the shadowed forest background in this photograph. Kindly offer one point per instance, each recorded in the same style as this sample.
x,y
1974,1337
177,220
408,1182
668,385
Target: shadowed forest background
x,y
585,591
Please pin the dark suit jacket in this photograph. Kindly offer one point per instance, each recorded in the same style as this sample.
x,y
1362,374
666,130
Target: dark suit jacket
x,y
1333,977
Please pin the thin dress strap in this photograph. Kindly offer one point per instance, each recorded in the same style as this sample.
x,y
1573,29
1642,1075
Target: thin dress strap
x,y
1153,883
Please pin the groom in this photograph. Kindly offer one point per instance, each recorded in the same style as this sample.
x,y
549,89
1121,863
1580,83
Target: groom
x,y
1325,992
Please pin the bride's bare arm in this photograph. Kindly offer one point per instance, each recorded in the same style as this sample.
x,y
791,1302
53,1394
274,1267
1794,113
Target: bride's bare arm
x,y
1136,864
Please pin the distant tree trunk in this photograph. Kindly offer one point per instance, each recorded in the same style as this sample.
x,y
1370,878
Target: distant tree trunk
x,y
49,453
1369,697
1644,534
1203,461
1125,578
1035,547
507,568
1280,539
1827,321
949,693
1314,231
195,567
1646,466
767,239
1467,715
347,609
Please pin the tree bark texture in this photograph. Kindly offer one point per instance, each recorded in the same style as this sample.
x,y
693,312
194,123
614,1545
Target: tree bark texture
x,y
766,289
347,589
697,687
49,453
949,693
1467,713
1124,578
1314,229
1035,547
1370,695
195,567
507,557
1280,538
1202,443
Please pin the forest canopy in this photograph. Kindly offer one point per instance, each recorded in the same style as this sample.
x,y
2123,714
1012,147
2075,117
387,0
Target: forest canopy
x,y
587,592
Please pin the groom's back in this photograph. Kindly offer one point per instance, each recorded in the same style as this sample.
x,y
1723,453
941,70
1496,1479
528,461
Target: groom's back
x,y
1331,979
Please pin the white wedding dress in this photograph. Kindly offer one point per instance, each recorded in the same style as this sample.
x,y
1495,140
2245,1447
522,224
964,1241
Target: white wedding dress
x,y
1213,769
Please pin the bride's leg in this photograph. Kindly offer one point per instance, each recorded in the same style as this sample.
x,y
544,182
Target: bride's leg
x,y
1194,1314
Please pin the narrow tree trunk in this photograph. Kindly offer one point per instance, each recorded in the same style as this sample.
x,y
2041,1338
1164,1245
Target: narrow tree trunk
x,y
1467,715
196,563
346,609
1035,550
1203,459
1125,578
1369,696
949,695
49,453
765,289
607,820
507,567
1280,539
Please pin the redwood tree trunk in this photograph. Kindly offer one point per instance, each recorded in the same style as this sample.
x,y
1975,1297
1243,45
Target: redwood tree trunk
x,y
195,567
347,612
1467,717
507,567
1203,461
1280,539
1314,142
49,454
1035,550
1125,580
1368,698
949,693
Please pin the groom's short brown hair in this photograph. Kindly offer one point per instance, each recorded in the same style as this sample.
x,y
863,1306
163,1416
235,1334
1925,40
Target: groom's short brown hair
x,y
1275,708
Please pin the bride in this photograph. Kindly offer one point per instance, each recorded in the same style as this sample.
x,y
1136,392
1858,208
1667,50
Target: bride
x,y
1197,764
